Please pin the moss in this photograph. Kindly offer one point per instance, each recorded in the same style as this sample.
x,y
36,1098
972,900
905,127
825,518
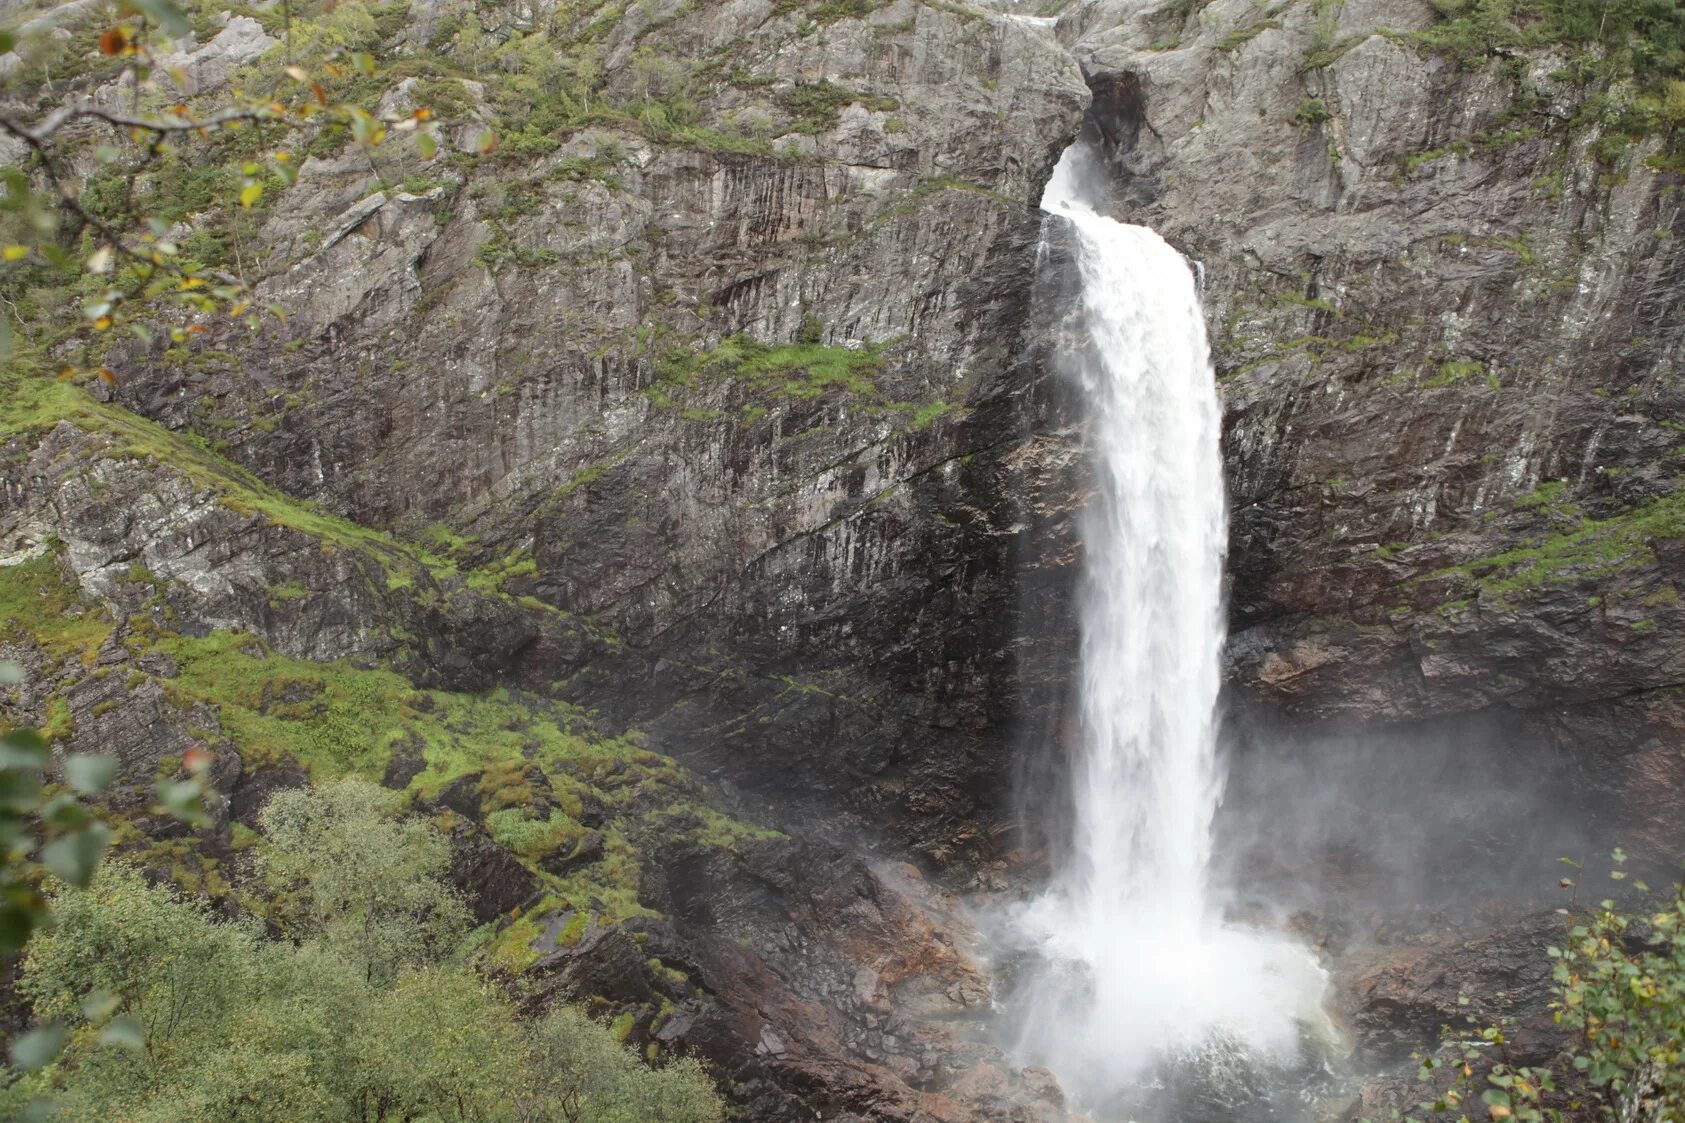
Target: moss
x,y
815,107
31,404
1243,35
1591,550
287,590
574,930
798,370
59,723
926,414
534,838
516,563
1455,371
1313,111
1543,497
37,603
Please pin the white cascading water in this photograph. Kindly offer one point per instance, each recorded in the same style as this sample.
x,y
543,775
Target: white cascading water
x,y
1137,967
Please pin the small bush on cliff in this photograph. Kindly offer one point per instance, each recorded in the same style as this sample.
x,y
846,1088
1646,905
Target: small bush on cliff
x,y
1642,38
1620,994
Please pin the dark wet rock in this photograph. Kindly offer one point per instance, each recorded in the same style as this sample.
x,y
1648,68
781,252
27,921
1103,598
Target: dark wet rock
x,y
402,768
462,795
490,879
257,785
606,963
586,850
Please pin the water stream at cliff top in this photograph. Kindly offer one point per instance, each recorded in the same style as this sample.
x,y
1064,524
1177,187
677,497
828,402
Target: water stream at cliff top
x,y
1138,994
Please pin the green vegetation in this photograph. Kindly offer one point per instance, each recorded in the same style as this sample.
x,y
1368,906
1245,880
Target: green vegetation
x,y
541,760
1632,52
36,602
344,869
169,1013
1641,37
43,831
1244,34
1591,549
1455,371
798,370
1314,111
815,107
1619,991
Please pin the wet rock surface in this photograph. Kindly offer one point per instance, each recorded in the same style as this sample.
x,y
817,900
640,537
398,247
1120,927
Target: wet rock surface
x,y
1447,337
1446,333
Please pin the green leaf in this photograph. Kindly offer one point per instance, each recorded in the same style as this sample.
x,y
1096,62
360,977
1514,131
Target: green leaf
x,y
39,1046
89,773
180,798
165,14
23,748
20,787
65,812
17,921
251,193
100,1005
8,40
125,1031
73,857
426,145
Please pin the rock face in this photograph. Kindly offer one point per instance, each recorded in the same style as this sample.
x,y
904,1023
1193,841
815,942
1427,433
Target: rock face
x,y
1446,320
732,414
809,568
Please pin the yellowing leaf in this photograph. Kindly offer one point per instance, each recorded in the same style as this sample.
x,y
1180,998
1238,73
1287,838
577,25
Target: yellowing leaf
x,y
297,74
427,146
102,324
251,193
107,376
16,253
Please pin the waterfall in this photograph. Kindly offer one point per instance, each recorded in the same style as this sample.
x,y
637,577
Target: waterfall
x,y
1138,971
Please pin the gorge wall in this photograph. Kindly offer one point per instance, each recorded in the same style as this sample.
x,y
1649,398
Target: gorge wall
x,y
724,413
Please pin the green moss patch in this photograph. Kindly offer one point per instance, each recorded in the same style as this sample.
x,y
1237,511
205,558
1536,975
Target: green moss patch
x,y
1593,549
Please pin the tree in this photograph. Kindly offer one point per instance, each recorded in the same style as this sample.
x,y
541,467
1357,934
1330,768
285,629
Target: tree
x,y
344,866
176,1014
117,237
49,830
1619,991
585,1076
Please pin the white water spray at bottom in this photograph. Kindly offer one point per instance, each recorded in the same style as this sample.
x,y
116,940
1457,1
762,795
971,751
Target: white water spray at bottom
x,y
1136,967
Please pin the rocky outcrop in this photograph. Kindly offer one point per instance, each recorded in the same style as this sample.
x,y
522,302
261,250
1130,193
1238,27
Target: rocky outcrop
x,y
732,411
758,409
814,985
154,527
1445,312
